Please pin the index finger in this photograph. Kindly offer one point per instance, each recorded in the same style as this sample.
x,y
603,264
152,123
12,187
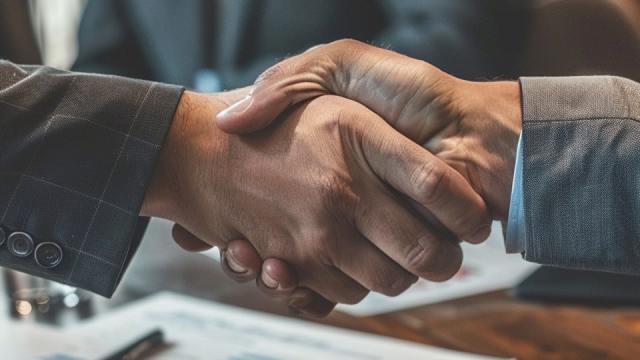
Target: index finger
x,y
430,182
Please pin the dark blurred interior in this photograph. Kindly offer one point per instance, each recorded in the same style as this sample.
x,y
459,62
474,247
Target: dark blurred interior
x,y
235,41
212,45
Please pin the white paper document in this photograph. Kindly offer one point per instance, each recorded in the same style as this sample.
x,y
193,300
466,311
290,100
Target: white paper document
x,y
29,341
198,329
486,267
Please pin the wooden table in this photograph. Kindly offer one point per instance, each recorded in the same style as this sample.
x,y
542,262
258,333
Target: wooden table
x,y
496,324
491,324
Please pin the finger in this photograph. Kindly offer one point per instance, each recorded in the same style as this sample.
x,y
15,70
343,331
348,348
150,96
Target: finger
x,y
373,269
431,220
315,47
307,302
334,285
187,240
406,239
269,99
285,84
240,261
429,181
277,278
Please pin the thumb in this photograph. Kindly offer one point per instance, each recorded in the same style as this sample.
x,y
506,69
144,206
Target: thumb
x,y
283,85
429,182
262,107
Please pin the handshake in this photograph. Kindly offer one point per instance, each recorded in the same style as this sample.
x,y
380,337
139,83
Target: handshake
x,y
343,170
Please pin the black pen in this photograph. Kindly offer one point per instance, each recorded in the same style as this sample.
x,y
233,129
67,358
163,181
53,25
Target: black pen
x,y
139,347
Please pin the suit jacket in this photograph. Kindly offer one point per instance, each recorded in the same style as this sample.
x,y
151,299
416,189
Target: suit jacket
x,y
169,41
76,154
581,172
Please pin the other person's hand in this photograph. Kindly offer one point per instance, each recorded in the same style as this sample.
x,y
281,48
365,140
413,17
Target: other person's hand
x,y
319,191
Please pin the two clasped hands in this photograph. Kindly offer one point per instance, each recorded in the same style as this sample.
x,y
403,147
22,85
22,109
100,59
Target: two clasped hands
x,y
343,170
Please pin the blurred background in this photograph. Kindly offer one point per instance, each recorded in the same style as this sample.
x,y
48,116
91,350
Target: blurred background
x,y
213,45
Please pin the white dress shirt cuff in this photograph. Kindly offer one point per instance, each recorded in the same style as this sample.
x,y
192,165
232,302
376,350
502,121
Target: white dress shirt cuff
x,y
515,240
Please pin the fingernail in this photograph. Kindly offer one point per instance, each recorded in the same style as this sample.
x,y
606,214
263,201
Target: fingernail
x,y
234,264
269,281
235,108
482,234
300,301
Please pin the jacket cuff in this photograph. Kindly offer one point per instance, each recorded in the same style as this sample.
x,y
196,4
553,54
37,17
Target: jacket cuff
x,y
85,183
580,177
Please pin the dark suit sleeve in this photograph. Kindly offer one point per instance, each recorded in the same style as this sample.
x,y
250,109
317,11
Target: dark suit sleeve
x,y
76,154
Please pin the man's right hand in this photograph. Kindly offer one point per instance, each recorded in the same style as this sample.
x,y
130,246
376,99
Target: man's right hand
x,y
319,191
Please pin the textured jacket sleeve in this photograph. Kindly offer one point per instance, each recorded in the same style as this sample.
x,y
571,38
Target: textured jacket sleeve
x,y
76,154
581,172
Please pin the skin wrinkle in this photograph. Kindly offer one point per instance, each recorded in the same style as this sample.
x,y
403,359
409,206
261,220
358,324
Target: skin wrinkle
x,y
347,50
364,76
383,81
347,147
322,71
316,75
339,77
475,183
428,107
389,99
464,135
414,96
416,255
356,145
460,132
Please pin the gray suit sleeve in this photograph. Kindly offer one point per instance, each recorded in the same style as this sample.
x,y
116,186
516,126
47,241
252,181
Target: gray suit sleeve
x,y
76,154
581,172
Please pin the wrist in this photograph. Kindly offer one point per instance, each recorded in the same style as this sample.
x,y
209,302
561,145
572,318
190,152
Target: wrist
x,y
162,193
499,102
190,144
506,115
509,107
489,122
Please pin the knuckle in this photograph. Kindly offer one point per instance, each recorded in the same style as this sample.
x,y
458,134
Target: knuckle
x,y
346,43
423,256
428,181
